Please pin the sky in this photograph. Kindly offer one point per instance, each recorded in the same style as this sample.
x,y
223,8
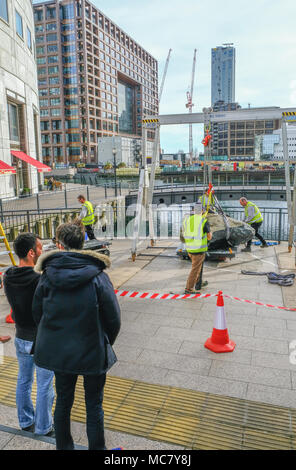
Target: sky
x,y
263,33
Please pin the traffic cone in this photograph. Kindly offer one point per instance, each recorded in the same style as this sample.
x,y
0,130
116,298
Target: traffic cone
x,y
9,318
219,341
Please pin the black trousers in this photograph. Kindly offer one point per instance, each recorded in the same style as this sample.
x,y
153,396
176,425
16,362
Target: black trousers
x,y
90,232
256,227
93,390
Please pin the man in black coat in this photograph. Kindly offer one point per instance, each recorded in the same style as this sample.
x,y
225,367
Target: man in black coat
x,y
79,319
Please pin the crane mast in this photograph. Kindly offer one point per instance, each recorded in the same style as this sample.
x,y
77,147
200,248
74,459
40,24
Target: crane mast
x,y
189,105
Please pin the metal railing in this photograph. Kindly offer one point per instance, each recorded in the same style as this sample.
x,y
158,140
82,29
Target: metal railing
x,y
167,221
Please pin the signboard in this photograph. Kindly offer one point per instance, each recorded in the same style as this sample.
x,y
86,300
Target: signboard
x,y
289,116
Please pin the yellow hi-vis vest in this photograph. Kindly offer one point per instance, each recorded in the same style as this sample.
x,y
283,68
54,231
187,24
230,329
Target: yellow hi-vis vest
x,y
206,201
196,240
257,217
89,219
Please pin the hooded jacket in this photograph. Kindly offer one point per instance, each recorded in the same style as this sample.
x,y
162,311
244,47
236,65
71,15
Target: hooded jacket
x,y
19,286
77,313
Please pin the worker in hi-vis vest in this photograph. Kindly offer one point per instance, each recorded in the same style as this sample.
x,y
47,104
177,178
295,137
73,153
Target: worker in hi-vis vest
x,y
195,233
254,218
207,202
87,216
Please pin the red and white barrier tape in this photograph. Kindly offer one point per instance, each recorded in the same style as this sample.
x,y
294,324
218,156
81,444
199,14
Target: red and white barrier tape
x,y
155,296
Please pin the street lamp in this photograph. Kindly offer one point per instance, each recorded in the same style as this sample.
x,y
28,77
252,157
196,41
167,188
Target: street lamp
x,y
114,151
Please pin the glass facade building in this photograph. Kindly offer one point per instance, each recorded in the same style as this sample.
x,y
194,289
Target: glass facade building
x,y
97,80
223,75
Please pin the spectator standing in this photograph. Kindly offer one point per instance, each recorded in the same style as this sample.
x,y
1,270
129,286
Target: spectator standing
x,y
20,284
79,319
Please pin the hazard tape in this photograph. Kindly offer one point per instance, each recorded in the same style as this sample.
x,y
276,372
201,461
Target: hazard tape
x,y
156,296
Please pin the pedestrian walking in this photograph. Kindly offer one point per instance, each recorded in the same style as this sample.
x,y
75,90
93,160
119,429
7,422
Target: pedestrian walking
x,y
87,216
20,283
79,319
196,233
254,218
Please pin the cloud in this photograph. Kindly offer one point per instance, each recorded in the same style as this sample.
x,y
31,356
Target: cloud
x,y
263,33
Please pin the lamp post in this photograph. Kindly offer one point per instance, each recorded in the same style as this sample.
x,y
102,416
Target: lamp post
x,y
114,151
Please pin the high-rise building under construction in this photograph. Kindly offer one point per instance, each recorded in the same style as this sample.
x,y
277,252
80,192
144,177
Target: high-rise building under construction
x,y
223,74
94,81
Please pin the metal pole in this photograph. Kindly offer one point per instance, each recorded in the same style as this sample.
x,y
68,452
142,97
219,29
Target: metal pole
x,y
66,202
288,184
1,210
115,181
87,192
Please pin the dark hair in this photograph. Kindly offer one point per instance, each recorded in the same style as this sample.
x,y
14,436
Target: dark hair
x,y
80,196
71,235
23,243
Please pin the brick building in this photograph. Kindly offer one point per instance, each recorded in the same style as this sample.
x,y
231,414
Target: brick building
x,y
94,81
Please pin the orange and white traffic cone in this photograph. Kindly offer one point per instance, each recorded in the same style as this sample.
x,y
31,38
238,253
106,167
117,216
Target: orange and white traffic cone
x,y
219,341
9,318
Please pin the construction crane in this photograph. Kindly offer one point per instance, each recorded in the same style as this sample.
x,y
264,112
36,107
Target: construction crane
x,y
189,105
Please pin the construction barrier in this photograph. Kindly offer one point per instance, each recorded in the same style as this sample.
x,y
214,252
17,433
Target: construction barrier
x,y
155,296
219,342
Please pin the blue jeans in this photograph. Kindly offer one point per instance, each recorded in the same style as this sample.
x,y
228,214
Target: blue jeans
x,y
42,416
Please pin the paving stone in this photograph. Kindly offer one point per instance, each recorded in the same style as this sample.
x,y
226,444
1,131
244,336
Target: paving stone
x,y
139,327
165,320
261,344
206,326
4,439
252,374
231,388
275,361
154,343
142,372
198,350
275,333
272,395
127,353
175,362
24,443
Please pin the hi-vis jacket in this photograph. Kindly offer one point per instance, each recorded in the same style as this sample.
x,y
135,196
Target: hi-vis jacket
x,y
89,219
252,214
196,240
206,201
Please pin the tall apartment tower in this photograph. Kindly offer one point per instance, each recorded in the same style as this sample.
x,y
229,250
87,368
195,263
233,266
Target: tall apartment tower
x,y
94,81
223,74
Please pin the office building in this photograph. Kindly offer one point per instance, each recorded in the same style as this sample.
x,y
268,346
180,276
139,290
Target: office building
x,y
223,74
20,146
236,139
94,81
270,147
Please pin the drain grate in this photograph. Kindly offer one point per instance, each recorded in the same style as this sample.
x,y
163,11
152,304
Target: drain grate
x,y
193,420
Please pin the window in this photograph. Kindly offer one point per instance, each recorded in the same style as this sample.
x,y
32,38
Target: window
x,y
42,71
39,39
52,59
43,92
50,13
39,28
43,103
55,102
74,123
3,10
51,27
51,37
54,80
54,91
56,125
44,125
52,70
56,112
67,12
19,24
13,122
41,60
44,112
38,15
40,50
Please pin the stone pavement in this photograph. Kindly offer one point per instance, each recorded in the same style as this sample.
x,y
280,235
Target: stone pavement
x,y
162,342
